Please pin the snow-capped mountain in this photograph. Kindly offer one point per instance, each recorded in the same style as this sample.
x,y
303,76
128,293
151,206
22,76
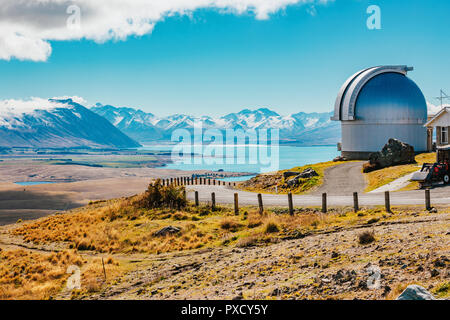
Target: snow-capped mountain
x,y
56,123
304,128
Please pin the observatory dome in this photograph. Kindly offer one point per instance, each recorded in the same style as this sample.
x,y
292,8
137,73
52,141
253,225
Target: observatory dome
x,y
377,104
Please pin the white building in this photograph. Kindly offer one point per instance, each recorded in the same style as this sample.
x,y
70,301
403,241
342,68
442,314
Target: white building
x,y
441,123
377,104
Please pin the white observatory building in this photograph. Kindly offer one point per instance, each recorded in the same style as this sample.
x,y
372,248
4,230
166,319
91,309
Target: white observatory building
x,y
377,104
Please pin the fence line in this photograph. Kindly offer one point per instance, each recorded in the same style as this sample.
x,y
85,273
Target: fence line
x,y
183,181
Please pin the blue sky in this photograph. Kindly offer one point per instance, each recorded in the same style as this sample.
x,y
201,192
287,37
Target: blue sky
x,y
215,63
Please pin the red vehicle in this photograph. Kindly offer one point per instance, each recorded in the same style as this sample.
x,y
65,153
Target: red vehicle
x,y
434,172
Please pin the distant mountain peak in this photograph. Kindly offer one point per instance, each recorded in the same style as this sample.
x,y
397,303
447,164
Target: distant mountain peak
x,y
56,123
268,112
146,127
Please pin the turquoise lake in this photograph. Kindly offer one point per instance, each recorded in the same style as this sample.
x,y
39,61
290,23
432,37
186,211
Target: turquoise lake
x,y
287,157
33,183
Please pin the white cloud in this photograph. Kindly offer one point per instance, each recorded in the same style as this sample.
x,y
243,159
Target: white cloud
x,y
12,107
433,109
26,26
76,99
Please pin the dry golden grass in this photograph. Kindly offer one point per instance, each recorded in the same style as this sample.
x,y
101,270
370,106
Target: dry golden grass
x,y
118,226
28,275
379,178
125,226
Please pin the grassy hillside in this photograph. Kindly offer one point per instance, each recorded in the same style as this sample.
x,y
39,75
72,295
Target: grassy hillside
x,y
271,182
216,250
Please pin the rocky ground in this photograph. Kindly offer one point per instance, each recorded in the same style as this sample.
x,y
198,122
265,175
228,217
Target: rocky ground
x,y
329,265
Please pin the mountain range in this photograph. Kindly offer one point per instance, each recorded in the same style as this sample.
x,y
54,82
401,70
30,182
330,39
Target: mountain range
x,y
65,123
57,123
299,128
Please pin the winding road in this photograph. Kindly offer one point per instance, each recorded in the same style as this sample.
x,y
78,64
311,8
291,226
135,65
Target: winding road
x,y
343,179
340,183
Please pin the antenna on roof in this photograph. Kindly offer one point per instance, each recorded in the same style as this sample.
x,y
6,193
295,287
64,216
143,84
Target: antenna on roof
x,y
442,97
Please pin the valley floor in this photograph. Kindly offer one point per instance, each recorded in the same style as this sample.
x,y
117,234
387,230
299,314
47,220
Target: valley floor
x,y
84,184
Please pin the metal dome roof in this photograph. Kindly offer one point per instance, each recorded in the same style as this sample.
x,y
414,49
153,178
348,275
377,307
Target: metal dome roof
x,y
381,95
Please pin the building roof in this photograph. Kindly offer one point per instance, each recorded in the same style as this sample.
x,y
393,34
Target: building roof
x,y
433,121
344,109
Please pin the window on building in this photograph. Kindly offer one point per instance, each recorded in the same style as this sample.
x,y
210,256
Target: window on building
x,y
444,135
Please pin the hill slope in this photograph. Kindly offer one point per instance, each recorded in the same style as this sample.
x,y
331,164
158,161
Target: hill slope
x,y
57,124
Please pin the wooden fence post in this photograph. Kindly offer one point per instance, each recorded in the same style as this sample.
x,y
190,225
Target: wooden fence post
x,y
236,204
213,200
291,204
260,204
355,201
387,201
427,199
324,203
196,199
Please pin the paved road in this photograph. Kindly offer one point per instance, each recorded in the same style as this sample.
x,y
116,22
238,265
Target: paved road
x,y
343,179
340,182
225,195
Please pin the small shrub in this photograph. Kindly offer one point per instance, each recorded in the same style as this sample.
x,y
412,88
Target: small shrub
x,y
271,227
373,220
443,290
204,211
84,245
253,223
247,242
366,237
369,167
315,224
230,225
159,196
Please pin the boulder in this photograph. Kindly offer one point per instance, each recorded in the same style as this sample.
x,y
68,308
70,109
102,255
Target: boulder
x,y
306,174
393,153
415,292
289,174
167,230
339,159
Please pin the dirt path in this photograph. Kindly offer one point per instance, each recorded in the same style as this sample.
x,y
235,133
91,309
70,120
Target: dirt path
x,y
343,179
317,266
